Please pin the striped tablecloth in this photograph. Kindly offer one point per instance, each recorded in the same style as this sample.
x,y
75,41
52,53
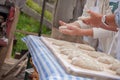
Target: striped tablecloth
x,y
45,62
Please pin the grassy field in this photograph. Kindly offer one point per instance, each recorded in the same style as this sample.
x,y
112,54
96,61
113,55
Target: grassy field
x,y
38,9
28,24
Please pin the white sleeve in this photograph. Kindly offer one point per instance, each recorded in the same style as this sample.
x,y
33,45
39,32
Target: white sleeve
x,y
102,33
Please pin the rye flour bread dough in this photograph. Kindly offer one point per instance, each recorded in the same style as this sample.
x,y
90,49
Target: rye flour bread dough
x,y
87,62
106,59
93,54
85,47
115,66
118,71
75,53
58,42
66,51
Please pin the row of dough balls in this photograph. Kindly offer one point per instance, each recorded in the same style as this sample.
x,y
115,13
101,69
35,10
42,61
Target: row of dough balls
x,y
87,59
77,45
81,54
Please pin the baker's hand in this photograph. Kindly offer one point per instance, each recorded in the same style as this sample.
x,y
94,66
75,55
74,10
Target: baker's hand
x,y
93,20
69,30
72,24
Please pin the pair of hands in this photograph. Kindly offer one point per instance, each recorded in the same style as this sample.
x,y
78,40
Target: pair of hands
x,y
71,29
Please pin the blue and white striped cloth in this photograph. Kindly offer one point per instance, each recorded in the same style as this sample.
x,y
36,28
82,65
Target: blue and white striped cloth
x,y
46,64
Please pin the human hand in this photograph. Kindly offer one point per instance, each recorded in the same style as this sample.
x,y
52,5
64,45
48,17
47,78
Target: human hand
x,y
70,30
93,20
62,23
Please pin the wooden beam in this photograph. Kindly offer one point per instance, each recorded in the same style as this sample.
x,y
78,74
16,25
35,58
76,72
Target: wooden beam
x,y
11,35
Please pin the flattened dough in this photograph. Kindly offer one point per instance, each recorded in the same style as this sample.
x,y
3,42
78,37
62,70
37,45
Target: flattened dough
x,y
106,59
75,54
87,62
85,47
115,66
118,71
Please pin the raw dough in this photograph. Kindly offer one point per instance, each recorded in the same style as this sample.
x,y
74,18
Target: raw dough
x,y
118,71
85,47
106,59
75,54
87,62
58,42
115,66
66,51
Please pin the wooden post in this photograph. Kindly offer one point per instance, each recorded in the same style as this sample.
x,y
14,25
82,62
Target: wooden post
x,y
11,35
4,50
9,51
66,10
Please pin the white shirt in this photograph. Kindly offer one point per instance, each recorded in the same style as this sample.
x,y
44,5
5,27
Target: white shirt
x,y
104,37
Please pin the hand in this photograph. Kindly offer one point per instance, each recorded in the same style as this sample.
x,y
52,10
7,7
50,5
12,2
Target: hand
x,y
93,20
72,24
70,30
62,23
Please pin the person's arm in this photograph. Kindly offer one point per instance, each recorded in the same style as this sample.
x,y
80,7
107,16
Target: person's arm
x,y
75,31
95,19
75,23
102,33
86,32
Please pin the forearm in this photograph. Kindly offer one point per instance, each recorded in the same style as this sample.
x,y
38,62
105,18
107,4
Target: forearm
x,y
85,32
102,33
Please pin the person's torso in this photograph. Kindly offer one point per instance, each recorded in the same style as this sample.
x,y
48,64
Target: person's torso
x,y
104,43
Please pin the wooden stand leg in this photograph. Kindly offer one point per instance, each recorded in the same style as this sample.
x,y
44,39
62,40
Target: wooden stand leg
x,y
23,58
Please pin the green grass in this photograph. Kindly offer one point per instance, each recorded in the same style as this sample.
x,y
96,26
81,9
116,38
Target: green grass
x,y
38,9
20,45
28,24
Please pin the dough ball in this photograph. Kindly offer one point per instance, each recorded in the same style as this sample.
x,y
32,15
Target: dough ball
x,y
87,62
118,71
115,66
85,47
106,59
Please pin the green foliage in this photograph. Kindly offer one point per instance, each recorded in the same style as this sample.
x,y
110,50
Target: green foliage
x,y
20,45
28,24
46,30
38,9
